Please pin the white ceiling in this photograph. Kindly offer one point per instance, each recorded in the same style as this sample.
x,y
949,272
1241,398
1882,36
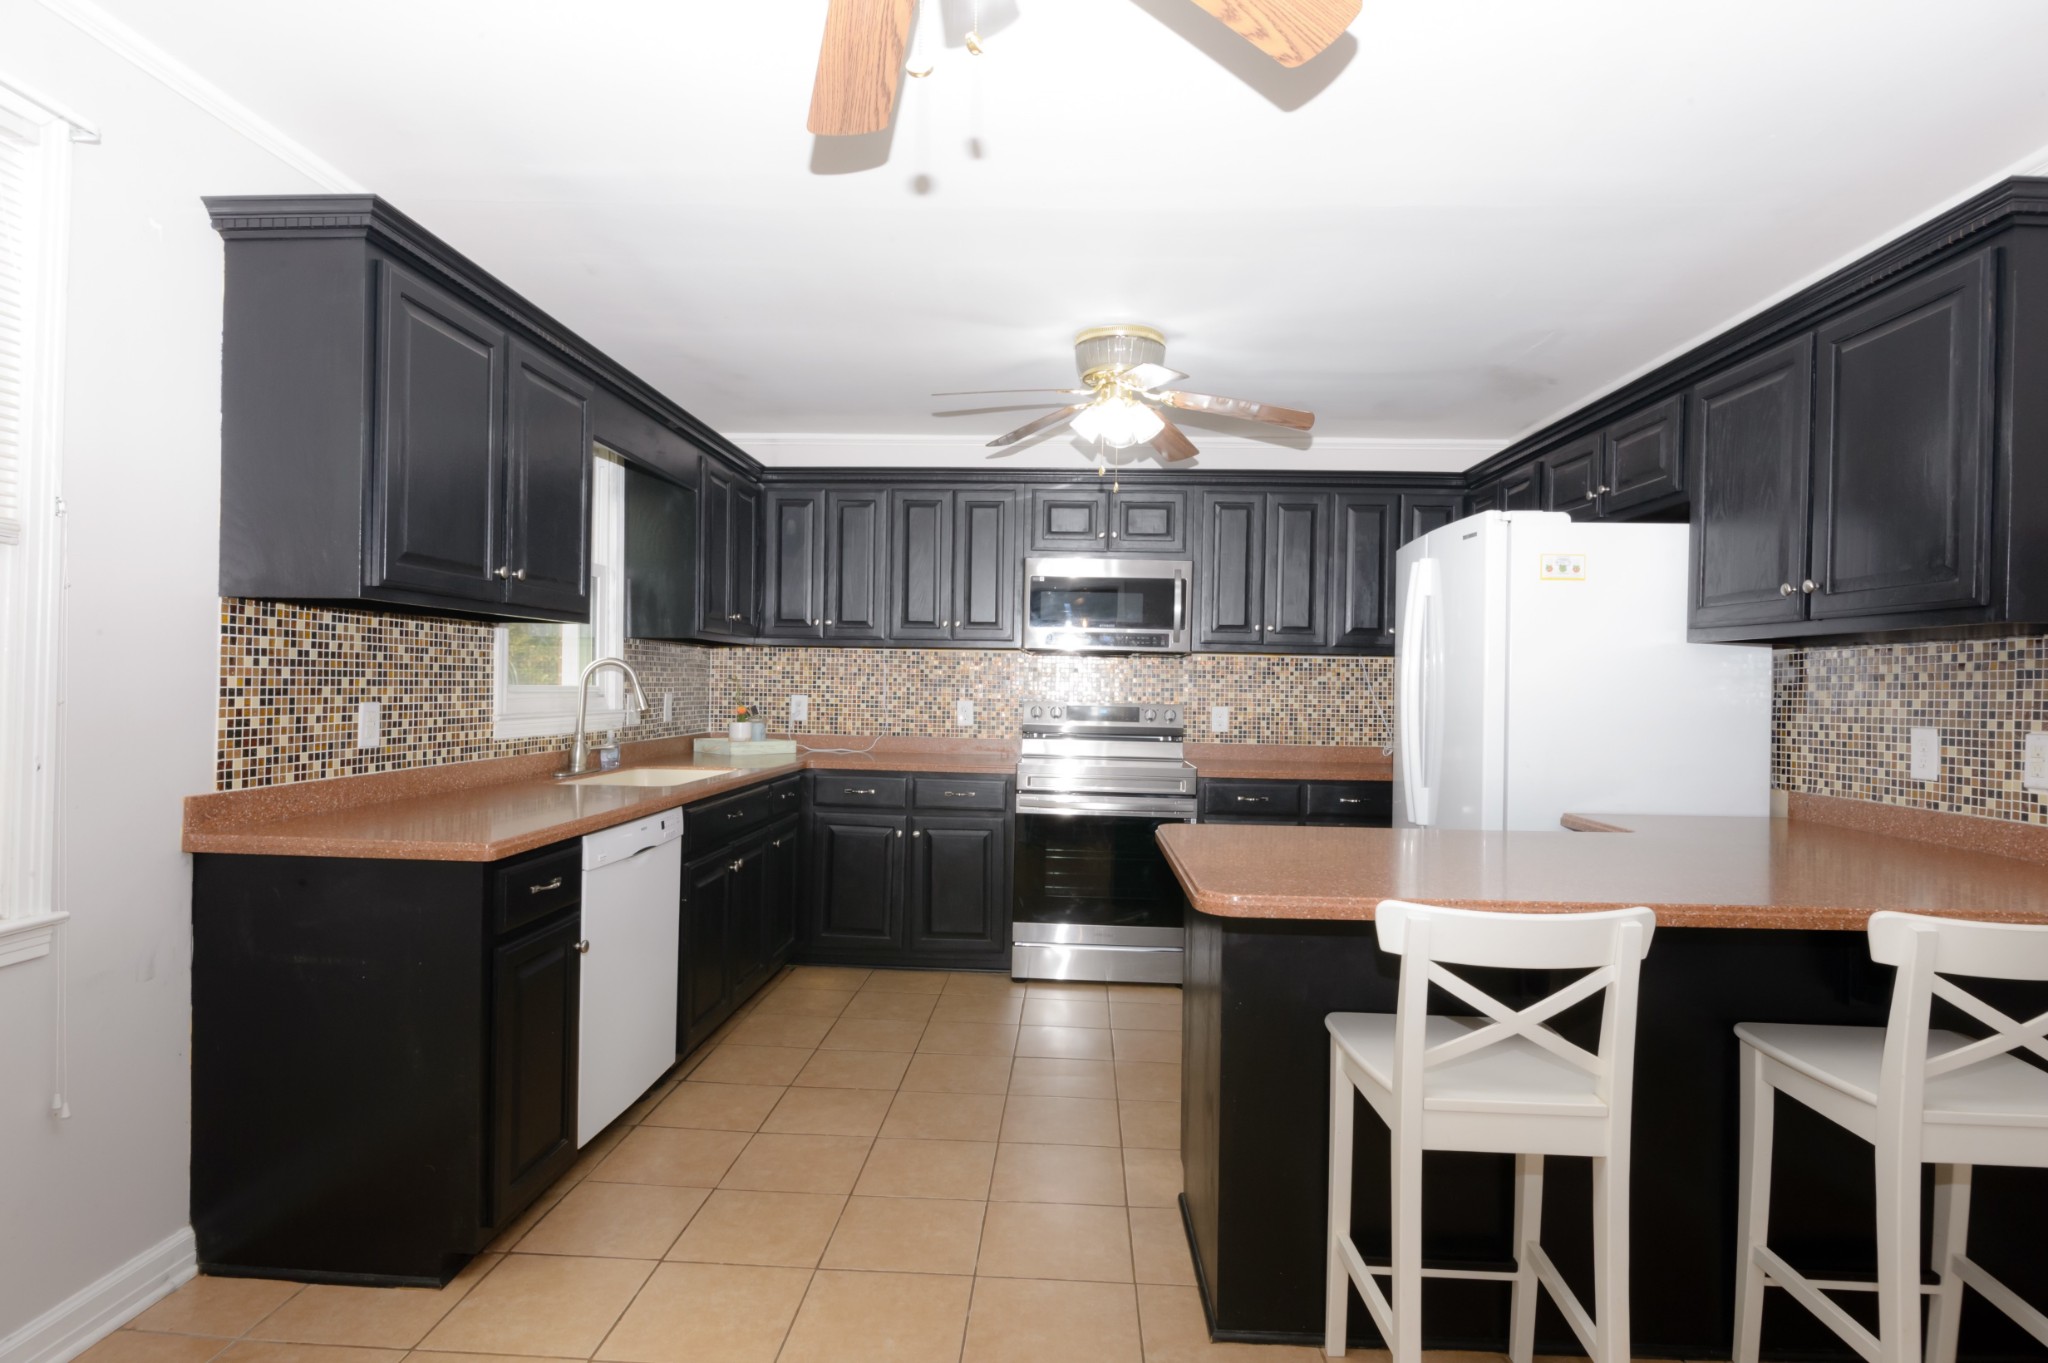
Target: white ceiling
x,y
1464,220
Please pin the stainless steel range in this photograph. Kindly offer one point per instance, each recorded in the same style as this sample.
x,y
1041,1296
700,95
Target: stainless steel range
x,y
1095,898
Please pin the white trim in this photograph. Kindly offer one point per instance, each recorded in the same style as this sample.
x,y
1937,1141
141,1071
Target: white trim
x,y
93,1312
81,131
27,939
1290,450
155,61
553,726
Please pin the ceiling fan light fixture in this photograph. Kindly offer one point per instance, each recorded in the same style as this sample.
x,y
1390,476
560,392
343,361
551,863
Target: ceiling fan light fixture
x,y
1114,349
1117,422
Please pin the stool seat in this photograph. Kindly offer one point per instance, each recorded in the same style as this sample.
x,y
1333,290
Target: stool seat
x,y
2001,1090
1513,1075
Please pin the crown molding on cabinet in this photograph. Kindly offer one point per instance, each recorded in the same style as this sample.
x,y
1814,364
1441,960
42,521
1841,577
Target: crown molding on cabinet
x,y
1331,454
150,58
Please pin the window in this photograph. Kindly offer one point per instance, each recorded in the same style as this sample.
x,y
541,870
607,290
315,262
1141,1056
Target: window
x,y
538,665
35,167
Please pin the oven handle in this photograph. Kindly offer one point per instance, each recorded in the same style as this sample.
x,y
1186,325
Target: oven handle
x,y
1183,810
1180,586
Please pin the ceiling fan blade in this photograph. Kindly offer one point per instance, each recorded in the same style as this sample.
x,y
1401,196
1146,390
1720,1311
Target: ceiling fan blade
x,y
1172,442
1238,407
991,392
1288,31
1144,376
1051,420
860,65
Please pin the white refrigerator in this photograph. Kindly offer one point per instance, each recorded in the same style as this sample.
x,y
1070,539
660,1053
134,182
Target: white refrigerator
x,y
1541,667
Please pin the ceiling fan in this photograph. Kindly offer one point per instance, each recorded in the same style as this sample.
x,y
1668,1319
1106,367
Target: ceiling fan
x,y
1124,387
861,61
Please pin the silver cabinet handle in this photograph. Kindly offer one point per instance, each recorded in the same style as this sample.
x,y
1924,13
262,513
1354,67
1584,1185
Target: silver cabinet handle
x,y
735,865
1252,799
736,814
959,794
1809,586
1784,589
554,884
850,790
1347,800
583,947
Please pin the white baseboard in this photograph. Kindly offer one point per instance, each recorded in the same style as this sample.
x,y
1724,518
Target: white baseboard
x,y
97,1310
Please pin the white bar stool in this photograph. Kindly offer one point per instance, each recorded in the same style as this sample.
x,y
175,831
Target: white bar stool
x,y
1918,1096
1503,1082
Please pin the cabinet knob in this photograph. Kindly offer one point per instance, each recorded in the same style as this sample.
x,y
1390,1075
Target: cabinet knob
x,y
504,572
583,947
828,623
916,834
899,832
1809,586
1602,490
519,576
1785,589
735,865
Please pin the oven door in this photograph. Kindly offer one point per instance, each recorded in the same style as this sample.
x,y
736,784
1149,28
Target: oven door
x,y
1095,898
1084,605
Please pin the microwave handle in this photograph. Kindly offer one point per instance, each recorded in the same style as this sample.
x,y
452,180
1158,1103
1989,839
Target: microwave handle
x,y
1180,586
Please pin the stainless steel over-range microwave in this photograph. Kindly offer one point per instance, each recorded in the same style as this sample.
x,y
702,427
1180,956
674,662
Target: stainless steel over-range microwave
x,y
1103,604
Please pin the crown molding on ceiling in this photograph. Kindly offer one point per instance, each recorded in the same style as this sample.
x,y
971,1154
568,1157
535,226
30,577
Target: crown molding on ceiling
x,y
153,60
1323,453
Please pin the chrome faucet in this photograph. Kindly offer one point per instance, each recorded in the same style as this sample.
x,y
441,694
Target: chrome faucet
x,y
579,753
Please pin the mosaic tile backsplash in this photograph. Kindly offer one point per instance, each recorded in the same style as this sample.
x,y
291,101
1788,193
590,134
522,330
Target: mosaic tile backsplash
x,y
1842,721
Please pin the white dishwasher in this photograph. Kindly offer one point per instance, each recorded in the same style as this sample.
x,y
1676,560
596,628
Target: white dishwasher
x,y
626,1024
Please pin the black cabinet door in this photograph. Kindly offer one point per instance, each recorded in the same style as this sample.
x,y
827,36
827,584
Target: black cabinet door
x,y
1297,569
1750,440
1069,520
1361,575
957,896
744,551
547,492
856,565
780,881
704,994
793,579
1522,489
1232,571
1149,522
1902,448
856,881
1643,458
1571,478
661,557
534,1007
746,963
986,564
439,468
920,565
1422,512
715,615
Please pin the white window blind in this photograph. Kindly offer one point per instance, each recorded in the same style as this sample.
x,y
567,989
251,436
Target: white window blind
x,y
18,213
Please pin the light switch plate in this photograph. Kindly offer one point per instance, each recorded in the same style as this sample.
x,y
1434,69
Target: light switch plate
x,y
1219,719
370,724
2036,775
963,712
799,709
1926,754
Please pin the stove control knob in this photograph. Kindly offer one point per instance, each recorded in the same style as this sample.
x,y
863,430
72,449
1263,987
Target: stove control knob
x,y
1173,716
1151,716
1038,712
1056,712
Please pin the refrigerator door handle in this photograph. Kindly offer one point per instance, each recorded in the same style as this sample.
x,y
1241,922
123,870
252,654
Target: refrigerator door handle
x,y
1413,679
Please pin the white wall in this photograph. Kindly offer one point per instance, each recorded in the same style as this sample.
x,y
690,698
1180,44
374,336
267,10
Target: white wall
x,y
81,1198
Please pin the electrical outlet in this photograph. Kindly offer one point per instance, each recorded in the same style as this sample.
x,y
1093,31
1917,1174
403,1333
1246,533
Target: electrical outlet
x,y
799,709
2036,777
370,724
1219,719
963,712
668,707
1926,754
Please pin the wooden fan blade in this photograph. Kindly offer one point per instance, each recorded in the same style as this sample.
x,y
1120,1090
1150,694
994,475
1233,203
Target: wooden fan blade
x,y
1049,421
991,392
859,66
1288,31
1173,442
1238,407
1144,376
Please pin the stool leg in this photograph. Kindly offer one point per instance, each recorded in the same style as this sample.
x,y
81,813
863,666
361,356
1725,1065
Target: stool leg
x,y
1753,1205
1406,1293
1610,1257
1528,1227
1898,1250
1337,1283
1951,1239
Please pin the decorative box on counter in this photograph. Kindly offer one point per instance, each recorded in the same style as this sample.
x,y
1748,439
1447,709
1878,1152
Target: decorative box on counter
x,y
752,747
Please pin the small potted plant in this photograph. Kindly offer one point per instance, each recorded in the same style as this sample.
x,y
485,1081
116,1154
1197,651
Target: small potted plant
x,y
742,727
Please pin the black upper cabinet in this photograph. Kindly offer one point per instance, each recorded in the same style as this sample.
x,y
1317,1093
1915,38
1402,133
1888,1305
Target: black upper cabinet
x,y
730,517
1903,448
1643,457
1099,520
1422,512
547,557
987,566
1361,578
793,557
1751,438
1297,568
1571,479
920,564
1148,521
856,565
661,557
1232,584
1069,520
1522,489
745,560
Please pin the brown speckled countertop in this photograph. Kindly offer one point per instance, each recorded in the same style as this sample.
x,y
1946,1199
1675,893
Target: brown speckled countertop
x,y
1695,872
1290,762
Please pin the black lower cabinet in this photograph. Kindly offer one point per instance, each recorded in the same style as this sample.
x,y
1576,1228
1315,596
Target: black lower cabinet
x,y
705,994
740,887
383,1059
1363,804
894,885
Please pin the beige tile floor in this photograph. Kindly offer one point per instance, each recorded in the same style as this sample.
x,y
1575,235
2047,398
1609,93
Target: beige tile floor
x,y
896,1165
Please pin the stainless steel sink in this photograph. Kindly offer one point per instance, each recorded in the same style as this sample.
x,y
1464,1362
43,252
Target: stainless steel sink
x,y
653,776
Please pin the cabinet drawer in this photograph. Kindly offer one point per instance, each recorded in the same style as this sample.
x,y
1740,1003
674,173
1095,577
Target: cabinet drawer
x,y
1350,801
531,888
961,792
719,821
1253,799
786,797
859,791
